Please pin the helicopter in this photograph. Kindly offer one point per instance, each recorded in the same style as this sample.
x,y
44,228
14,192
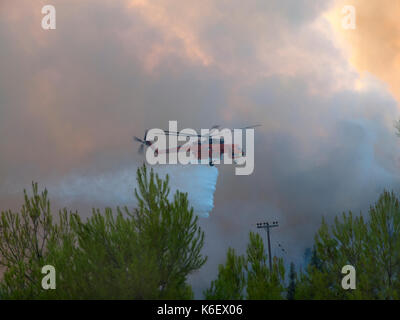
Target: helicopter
x,y
210,147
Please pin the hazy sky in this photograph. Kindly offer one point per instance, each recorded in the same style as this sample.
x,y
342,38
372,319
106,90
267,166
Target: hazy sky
x,y
71,99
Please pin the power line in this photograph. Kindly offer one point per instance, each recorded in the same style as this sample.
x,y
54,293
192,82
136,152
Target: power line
x,y
266,226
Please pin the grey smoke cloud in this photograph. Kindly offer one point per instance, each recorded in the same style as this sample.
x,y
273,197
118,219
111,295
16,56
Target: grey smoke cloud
x,y
71,100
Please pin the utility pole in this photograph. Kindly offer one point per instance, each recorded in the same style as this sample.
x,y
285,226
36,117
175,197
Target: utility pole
x,y
267,226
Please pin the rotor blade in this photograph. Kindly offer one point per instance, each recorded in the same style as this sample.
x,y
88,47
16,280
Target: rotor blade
x,y
141,148
191,135
248,127
138,139
251,127
142,144
183,134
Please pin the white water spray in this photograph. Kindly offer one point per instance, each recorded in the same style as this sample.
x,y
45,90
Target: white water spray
x,y
117,188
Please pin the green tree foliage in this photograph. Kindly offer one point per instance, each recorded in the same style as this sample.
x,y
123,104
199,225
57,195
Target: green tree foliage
x,y
248,277
262,283
371,245
230,281
145,253
24,240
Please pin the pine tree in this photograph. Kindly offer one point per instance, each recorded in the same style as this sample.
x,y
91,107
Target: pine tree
x,y
263,283
291,291
248,273
145,253
371,246
230,282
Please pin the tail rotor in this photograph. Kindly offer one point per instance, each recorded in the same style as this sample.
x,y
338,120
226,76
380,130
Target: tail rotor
x,y
142,142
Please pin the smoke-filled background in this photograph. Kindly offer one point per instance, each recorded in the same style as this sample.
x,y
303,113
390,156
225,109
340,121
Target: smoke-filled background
x,y
71,99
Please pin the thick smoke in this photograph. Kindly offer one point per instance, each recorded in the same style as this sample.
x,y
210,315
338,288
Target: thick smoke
x,y
70,100
373,47
116,188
